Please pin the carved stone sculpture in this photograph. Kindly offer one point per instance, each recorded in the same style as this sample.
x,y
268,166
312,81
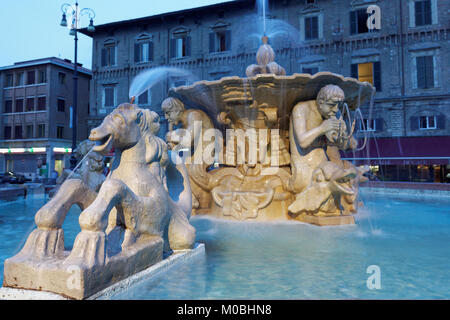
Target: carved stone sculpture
x,y
298,173
193,124
110,247
90,170
316,136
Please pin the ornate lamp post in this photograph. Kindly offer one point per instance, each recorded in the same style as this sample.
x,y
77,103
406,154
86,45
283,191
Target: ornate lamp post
x,y
76,15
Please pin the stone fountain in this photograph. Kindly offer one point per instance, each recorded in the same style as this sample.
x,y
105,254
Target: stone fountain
x,y
279,161
289,131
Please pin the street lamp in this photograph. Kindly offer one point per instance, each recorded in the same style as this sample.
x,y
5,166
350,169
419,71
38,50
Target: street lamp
x,y
76,15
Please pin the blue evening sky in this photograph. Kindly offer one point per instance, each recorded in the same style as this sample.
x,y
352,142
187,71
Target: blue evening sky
x,y
29,29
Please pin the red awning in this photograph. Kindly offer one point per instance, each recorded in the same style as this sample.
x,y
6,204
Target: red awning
x,y
403,151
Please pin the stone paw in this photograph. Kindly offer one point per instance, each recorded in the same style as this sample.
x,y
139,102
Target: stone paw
x,y
89,250
43,243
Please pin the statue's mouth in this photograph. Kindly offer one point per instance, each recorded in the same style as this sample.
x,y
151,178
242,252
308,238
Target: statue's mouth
x,y
344,184
105,144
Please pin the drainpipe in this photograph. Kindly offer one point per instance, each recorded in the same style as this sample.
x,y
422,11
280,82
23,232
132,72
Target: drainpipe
x,y
402,69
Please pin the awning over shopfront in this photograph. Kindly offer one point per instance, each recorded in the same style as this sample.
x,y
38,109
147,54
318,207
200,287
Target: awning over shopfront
x,y
403,151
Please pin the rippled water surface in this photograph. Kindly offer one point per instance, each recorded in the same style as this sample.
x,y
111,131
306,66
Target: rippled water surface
x,y
408,240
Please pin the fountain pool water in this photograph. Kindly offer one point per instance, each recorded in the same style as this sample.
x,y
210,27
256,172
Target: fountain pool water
x,y
404,237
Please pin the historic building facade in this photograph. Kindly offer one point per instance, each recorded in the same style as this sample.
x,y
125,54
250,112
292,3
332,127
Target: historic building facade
x,y
35,130
405,57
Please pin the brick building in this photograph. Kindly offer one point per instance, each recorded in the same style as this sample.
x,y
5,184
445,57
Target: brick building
x,y
36,98
406,59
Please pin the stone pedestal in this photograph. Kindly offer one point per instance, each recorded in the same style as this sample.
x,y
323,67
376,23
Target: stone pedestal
x,y
78,281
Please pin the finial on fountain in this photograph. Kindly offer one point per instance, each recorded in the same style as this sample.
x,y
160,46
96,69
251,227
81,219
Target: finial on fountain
x,y
265,57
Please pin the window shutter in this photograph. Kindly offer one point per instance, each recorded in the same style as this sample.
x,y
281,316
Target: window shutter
x,y
379,124
377,75
150,51
112,60
188,46
212,44
314,28
137,51
354,71
429,71
440,119
353,22
414,123
173,47
418,13
421,71
103,57
426,7
228,40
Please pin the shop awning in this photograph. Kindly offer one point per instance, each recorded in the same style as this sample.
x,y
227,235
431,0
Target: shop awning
x,y
403,151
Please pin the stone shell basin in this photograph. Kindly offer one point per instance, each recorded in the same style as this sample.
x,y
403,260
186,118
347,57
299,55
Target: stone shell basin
x,y
272,94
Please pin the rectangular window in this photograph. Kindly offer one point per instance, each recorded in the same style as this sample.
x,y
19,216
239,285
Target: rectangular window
x,y
61,105
220,41
358,21
427,122
109,96
60,132
143,51
41,103
30,105
9,80
30,77
108,56
29,131
20,79
370,72
180,47
310,70
422,10
61,78
42,76
7,133
368,125
19,105
425,72
311,28
40,131
8,106
18,132
143,98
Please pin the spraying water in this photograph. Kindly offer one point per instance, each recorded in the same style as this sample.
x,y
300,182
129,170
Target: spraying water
x,y
147,79
262,12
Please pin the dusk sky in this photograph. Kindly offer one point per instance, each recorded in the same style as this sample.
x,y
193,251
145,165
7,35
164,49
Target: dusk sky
x,y
30,29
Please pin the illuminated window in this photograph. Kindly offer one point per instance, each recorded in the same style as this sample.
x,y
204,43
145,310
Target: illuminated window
x,y
369,72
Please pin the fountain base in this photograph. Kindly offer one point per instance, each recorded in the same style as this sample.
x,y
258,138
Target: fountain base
x,y
326,221
39,293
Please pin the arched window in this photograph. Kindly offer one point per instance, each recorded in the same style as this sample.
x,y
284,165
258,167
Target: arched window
x,y
143,48
109,53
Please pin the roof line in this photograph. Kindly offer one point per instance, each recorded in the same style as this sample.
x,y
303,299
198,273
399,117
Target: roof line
x,y
50,60
171,13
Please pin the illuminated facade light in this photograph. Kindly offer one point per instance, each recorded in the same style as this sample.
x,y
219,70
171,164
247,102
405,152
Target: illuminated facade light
x,y
62,150
23,150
